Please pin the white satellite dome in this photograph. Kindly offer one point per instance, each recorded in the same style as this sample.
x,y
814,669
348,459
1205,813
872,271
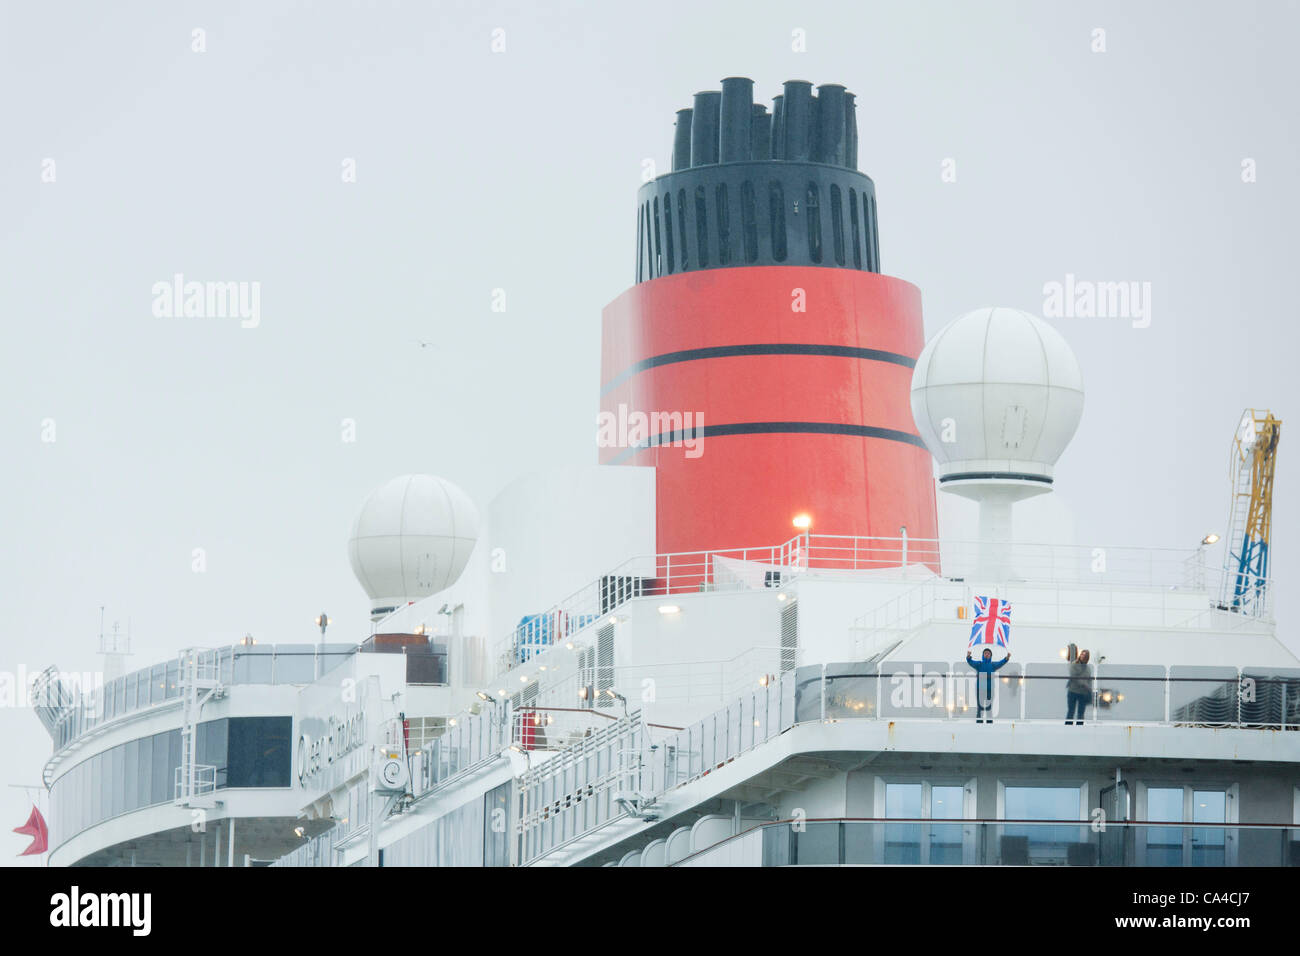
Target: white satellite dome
x,y
412,538
997,395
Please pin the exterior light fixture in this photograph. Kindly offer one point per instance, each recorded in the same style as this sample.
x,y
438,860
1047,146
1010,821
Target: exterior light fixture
x,y
669,609
1210,538
483,695
322,621
802,521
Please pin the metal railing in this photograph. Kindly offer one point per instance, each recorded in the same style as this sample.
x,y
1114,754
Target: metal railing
x,y
161,683
660,575
1266,698
190,782
955,842
469,741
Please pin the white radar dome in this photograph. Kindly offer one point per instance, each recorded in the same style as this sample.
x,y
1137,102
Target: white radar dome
x,y
412,538
997,395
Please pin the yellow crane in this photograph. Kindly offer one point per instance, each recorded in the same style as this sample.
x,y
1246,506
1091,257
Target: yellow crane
x,y
1252,461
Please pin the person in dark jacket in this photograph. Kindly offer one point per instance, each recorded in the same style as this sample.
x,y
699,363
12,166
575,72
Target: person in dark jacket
x,y
984,669
1078,689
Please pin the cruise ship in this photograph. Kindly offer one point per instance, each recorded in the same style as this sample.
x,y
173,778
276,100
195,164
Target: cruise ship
x,y
739,636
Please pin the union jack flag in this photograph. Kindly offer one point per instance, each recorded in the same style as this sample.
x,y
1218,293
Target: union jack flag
x,y
992,623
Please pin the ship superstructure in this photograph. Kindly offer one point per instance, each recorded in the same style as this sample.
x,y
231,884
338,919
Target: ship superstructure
x,y
738,640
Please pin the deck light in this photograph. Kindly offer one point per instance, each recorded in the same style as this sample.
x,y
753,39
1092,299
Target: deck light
x,y
802,521
1210,538
669,609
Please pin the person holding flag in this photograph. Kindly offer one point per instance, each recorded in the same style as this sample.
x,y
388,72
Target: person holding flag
x,y
991,628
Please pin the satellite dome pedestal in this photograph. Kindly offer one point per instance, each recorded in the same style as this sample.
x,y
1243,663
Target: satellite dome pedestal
x,y
993,561
997,395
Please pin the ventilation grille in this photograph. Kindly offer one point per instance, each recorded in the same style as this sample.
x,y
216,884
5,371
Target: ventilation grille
x,y
789,636
604,665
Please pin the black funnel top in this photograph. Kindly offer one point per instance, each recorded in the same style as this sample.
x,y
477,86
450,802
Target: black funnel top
x,y
753,187
803,126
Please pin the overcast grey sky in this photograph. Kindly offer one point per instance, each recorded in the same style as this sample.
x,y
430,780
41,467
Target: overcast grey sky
x,y
517,170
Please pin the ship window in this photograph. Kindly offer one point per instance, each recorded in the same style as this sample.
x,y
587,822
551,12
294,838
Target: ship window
x,y
813,214
668,231
640,253
1025,843
776,210
701,228
681,224
724,225
837,225
161,790
258,752
853,226
144,768
902,840
749,221
1184,844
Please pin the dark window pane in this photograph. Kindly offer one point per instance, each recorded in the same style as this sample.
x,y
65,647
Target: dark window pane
x,y
161,790
173,760
144,772
130,771
258,751
117,770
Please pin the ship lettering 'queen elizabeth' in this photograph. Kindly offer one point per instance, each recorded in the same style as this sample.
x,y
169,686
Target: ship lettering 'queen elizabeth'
x,y
748,650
